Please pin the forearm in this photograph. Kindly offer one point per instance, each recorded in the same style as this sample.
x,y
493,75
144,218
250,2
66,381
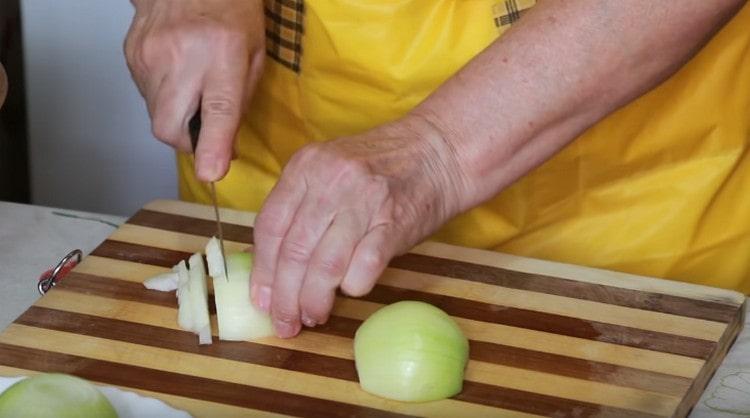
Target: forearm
x,y
563,67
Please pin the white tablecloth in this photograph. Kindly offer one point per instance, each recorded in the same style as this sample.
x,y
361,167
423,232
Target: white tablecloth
x,y
33,239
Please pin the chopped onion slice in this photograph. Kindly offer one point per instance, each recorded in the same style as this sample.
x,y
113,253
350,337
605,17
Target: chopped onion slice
x,y
184,312
204,335
410,351
165,282
214,259
53,395
192,299
237,317
199,299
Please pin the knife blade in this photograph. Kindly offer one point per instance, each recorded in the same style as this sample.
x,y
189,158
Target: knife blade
x,y
194,127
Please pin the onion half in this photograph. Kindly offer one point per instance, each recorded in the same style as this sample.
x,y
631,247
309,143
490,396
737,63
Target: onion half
x,y
54,395
411,351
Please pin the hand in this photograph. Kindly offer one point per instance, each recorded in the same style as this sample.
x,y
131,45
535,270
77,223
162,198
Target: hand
x,y
183,53
341,210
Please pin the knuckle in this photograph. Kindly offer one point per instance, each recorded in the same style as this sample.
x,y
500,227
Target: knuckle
x,y
332,267
344,172
261,275
285,313
308,152
316,307
350,167
133,57
218,105
225,35
377,186
350,171
261,272
167,43
128,50
295,251
268,224
300,162
373,262
151,49
163,131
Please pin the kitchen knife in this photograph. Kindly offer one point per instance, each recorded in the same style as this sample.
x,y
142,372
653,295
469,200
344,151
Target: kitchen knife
x,y
194,126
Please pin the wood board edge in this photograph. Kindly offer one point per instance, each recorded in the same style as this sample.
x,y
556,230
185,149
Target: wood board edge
x,y
712,364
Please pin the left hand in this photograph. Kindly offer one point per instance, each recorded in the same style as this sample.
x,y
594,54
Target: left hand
x,y
341,210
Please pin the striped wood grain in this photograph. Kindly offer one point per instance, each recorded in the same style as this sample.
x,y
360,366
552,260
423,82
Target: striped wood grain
x,y
200,408
546,338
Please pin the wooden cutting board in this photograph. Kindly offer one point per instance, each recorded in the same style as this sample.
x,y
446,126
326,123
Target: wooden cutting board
x,y
546,338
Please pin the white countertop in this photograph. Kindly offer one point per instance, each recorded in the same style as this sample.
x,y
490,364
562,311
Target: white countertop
x,y
33,239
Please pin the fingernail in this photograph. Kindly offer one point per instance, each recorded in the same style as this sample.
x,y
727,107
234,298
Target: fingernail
x,y
263,298
209,168
285,329
309,322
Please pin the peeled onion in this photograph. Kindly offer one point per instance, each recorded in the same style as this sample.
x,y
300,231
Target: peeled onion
x,y
411,351
54,395
238,318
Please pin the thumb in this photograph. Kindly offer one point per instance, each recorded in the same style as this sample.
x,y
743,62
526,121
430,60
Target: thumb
x,y
221,113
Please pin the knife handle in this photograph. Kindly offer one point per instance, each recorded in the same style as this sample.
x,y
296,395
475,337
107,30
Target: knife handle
x,y
194,128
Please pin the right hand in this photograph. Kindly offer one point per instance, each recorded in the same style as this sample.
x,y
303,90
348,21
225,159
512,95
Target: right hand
x,y
183,53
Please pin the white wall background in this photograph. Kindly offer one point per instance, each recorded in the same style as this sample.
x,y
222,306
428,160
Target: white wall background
x,y
90,142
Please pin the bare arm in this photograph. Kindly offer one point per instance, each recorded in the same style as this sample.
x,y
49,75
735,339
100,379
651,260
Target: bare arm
x,y
565,66
344,208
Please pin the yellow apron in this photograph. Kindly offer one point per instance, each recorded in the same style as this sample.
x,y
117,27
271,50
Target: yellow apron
x,y
660,188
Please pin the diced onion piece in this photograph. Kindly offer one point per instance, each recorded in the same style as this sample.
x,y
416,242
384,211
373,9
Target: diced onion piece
x,y
410,351
199,296
214,259
204,335
199,299
54,396
192,299
185,311
182,279
165,282
238,318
